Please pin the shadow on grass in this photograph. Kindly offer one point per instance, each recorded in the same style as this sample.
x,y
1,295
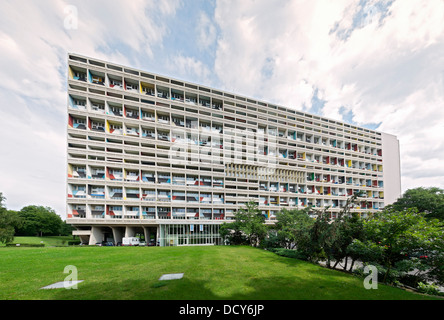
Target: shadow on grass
x,y
267,288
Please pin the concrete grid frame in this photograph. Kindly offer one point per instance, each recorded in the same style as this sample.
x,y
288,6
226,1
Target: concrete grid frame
x,y
146,152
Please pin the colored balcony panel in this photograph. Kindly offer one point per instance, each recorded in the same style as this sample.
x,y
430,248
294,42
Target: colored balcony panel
x,y
131,112
96,125
218,214
132,175
97,173
115,109
205,198
132,131
149,177
164,213
147,89
131,85
114,211
115,82
164,196
75,171
131,211
179,213
97,211
164,178
178,196
218,183
192,197
163,92
96,77
132,193
77,102
97,106
149,195
96,192
77,192
148,115
116,193
149,212
114,174
115,128
177,95
76,122
76,73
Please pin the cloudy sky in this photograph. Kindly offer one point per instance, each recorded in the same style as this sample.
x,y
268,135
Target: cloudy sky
x,y
377,64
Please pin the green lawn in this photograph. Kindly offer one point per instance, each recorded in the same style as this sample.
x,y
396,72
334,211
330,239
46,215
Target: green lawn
x,y
224,272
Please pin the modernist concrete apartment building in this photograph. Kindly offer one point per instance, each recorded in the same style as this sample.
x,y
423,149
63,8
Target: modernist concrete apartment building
x,y
171,160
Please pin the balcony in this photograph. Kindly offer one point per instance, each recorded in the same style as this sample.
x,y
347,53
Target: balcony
x,y
97,174
77,123
132,131
149,195
149,133
115,110
96,78
163,196
77,74
115,83
78,103
116,194
115,175
97,192
97,126
148,177
147,116
131,86
78,192
131,113
78,172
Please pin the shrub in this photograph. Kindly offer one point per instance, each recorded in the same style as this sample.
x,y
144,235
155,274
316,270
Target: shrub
x,y
294,254
429,289
25,245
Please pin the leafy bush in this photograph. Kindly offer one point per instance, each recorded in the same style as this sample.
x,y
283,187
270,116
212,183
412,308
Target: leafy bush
x,y
294,254
25,245
429,289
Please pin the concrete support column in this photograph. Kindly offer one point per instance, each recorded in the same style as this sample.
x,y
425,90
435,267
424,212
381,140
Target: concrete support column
x,y
147,234
96,236
129,232
117,234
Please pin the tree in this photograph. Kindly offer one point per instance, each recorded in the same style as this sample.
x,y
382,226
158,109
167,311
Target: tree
x,y
9,221
248,226
330,238
427,200
350,228
232,233
39,221
397,240
292,228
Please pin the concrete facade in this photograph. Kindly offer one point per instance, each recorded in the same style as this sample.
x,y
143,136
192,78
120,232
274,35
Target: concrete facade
x,y
170,161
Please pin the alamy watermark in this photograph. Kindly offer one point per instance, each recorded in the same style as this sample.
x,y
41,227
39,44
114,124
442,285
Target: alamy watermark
x,y
230,145
71,21
71,280
371,281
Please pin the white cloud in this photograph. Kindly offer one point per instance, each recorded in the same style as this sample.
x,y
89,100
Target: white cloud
x,y
190,69
382,60
206,31
34,44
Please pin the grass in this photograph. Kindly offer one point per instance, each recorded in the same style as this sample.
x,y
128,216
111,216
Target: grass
x,y
210,273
